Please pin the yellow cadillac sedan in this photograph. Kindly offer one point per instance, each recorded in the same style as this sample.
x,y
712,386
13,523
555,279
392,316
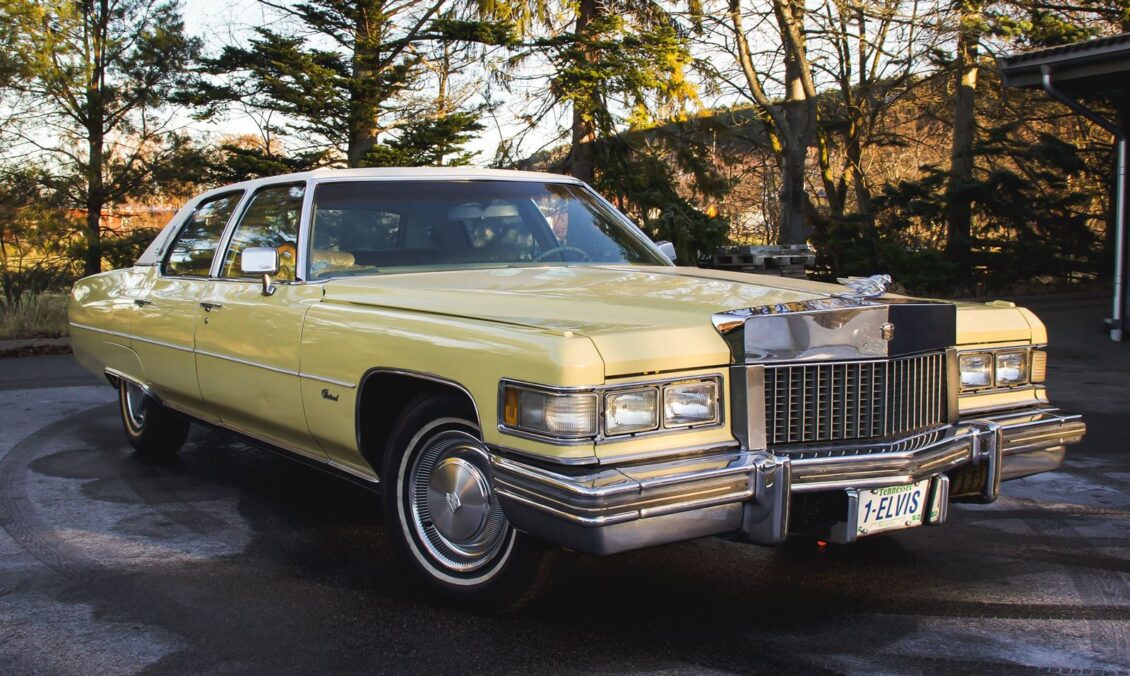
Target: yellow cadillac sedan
x,y
516,369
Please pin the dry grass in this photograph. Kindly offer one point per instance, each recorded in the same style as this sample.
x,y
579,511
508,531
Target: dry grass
x,y
34,316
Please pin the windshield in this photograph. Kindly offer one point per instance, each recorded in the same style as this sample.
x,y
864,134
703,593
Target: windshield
x,y
366,227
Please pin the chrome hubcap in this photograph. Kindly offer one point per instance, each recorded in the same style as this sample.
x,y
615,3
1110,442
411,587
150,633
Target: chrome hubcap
x,y
454,512
136,404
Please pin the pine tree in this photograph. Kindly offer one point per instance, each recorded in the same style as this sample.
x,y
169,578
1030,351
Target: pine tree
x,y
341,80
101,75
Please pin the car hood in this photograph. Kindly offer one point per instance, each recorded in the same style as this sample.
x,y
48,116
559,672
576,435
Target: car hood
x,y
641,319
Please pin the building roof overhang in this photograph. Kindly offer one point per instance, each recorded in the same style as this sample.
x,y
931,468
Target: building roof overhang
x,y
1099,67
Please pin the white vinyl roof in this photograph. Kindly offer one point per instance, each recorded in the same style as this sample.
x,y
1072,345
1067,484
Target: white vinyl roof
x,y
152,254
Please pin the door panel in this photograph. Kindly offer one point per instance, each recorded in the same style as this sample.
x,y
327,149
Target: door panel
x,y
163,340
246,342
169,302
247,360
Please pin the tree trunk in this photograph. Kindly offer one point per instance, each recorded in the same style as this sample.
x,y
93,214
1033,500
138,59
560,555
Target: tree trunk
x,y
854,159
959,207
794,197
794,122
827,175
441,101
95,137
581,159
365,96
95,201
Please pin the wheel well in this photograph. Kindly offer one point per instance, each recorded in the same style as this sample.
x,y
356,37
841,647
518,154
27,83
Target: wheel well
x,y
383,398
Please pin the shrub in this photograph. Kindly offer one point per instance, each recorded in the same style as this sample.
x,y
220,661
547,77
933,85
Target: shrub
x,y
34,315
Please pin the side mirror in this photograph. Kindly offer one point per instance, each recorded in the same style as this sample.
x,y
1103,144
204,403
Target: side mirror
x,y
668,250
260,261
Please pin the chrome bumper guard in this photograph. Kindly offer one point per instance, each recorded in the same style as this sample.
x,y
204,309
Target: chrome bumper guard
x,y
610,509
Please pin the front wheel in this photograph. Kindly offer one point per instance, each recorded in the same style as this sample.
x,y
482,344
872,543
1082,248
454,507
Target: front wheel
x,y
445,519
154,430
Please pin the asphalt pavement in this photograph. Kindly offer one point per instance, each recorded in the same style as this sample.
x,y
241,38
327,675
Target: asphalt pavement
x,y
234,560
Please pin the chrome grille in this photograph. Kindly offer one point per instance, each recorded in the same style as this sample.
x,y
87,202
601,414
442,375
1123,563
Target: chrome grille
x,y
829,402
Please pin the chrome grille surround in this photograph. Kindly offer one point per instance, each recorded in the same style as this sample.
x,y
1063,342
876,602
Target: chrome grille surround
x,y
827,402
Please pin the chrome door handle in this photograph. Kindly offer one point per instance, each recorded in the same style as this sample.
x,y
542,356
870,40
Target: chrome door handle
x,y
208,307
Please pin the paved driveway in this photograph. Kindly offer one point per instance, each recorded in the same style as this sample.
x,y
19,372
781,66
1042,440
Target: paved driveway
x,y
235,560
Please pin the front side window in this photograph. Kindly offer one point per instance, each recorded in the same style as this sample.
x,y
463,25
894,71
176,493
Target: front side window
x,y
191,252
368,227
270,220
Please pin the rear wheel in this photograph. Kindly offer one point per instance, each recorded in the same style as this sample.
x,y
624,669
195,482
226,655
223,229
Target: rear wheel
x,y
445,519
154,430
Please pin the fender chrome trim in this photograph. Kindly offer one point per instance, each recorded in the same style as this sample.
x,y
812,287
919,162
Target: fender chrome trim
x,y
111,374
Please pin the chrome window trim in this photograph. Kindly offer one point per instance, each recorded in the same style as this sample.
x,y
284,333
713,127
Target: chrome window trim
x,y
155,251
632,227
305,217
237,217
600,390
467,178
305,243
166,248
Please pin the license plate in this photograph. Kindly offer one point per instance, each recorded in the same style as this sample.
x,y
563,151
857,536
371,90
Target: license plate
x,y
891,508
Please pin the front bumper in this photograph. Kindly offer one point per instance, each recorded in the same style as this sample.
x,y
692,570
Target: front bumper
x,y
610,509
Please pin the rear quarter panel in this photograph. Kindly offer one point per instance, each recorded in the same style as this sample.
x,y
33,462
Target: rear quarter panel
x,y
100,313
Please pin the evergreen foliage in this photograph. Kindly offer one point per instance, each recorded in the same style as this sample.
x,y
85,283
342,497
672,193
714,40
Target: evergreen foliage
x,y
99,77
339,76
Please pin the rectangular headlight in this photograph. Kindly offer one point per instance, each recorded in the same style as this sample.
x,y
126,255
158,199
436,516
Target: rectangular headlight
x,y
1012,368
558,414
976,370
686,404
631,411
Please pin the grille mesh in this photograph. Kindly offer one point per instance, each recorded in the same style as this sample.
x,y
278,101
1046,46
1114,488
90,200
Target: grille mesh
x,y
814,403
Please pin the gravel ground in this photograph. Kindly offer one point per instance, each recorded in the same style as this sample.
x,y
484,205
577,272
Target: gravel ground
x,y
235,560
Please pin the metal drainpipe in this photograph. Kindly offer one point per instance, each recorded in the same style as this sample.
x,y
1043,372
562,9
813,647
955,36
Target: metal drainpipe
x,y
1119,195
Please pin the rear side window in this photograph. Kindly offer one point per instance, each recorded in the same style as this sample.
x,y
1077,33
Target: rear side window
x,y
191,253
270,220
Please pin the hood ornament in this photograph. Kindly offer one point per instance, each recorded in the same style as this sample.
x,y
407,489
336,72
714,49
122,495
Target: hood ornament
x,y
864,287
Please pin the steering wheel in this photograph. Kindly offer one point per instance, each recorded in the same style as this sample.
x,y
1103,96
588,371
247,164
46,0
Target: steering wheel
x,y
548,252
